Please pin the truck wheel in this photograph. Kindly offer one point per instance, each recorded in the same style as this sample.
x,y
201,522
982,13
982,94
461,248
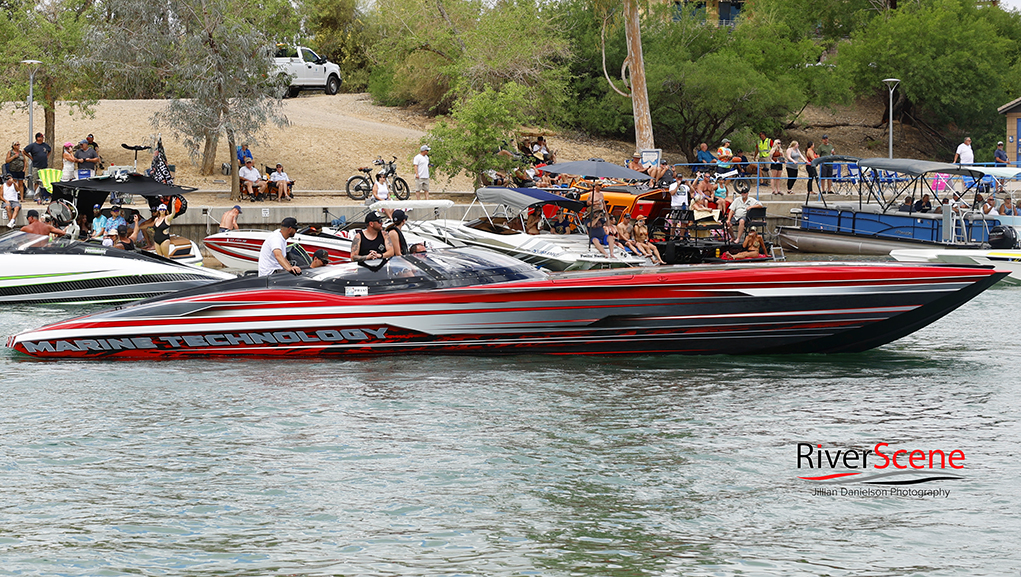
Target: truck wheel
x,y
332,84
292,92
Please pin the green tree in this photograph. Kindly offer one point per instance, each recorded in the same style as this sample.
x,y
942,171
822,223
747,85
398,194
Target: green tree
x,y
343,33
951,57
52,33
217,65
479,125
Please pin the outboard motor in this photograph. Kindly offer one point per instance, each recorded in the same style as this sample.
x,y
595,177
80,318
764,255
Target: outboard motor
x,y
1002,237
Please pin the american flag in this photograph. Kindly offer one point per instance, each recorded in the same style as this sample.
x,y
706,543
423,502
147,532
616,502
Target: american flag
x,y
159,170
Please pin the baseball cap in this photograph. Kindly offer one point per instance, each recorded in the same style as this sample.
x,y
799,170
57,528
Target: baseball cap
x,y
999,142
68,144
9,176
289,222
122,229
399,216
322,255
825,135
115,207
425,147
96,206
238,208
83,141
161,207
727,140
372,217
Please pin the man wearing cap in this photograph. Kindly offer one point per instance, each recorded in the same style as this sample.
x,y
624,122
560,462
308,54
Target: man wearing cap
x,y
320,258
12,199
98,221
115,219
421,163
36,226
86,157
251,180
738,213
39,152
825,170
1000,156
371,243
282,183
229,220
273,255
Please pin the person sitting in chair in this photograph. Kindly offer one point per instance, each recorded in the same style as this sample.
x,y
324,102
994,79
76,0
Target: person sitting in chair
x,y
908,205
280,184
923,204
251,181
598,236
739,212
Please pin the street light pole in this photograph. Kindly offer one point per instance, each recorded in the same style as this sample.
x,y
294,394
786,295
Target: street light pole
x,y
33,68
891,83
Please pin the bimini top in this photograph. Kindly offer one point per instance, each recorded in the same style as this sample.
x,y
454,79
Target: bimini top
x,y
521,198
914,167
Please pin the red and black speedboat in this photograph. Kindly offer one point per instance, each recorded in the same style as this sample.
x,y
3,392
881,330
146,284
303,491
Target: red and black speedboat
x,y
472,301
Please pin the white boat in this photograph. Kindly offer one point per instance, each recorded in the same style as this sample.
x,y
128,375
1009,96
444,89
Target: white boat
x,y
239,249
1002,259
503,231
40,270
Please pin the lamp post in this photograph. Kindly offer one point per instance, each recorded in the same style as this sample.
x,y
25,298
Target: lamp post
x,y
33,67
891,83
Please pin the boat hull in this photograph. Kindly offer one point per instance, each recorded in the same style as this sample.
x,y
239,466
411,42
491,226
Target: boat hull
x,y
823,242
704,309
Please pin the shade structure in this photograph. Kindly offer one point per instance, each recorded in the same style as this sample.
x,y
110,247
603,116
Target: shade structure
x,y
594,169
521,198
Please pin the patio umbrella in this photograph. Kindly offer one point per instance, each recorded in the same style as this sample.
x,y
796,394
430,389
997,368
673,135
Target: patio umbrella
x,y
594,169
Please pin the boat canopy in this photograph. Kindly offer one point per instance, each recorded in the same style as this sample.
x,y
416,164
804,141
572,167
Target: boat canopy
x,y
912,167
521,198
834,158
86,192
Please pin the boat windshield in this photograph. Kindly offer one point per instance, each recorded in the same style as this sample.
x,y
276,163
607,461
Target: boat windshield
x,y
19,241
448,268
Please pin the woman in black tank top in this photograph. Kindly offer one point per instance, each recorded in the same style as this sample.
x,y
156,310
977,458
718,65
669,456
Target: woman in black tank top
x,y
396,235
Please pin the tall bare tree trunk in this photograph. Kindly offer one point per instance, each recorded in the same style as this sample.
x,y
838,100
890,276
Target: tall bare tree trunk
x,y
235,179
49,106
639,92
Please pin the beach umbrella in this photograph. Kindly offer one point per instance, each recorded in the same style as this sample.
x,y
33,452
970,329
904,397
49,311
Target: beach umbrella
x,y
594,169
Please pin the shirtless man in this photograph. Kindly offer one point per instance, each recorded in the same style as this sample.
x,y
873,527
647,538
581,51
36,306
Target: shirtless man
x,y
596,202
624,235
36,226
655,172
229,220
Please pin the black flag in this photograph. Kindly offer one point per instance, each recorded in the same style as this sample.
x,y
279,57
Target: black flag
x,y
160,171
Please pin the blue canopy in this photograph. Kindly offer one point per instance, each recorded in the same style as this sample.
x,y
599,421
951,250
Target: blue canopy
x,y
521,198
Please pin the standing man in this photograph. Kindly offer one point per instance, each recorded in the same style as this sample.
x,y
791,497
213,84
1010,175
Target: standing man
x,y
229,220
964,152
86,157
825,170
421,162
39,152
12,199
1000,156
273,255
371,243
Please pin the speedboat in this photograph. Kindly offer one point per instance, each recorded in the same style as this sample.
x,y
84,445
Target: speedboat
x,y
239,249
473,301
1003,259
504,231
38,270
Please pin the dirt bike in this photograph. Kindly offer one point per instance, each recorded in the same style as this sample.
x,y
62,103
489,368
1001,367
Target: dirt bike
x,y
359,187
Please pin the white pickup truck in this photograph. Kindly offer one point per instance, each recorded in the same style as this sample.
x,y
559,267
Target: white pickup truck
x,y
308,70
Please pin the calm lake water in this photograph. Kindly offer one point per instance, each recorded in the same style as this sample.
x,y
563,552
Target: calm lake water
x,y
509,466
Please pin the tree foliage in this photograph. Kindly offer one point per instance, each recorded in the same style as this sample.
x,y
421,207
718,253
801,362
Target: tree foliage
x,y
952,57
479,125
217,68
345,34
53,34
434,53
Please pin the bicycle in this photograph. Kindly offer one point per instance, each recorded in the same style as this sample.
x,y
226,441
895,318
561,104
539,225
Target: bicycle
x,y
359,187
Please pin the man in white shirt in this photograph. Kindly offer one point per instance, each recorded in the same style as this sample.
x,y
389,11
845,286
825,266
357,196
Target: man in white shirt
x,y
12,200
251,180
964,152
739,213
421,162
273,255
